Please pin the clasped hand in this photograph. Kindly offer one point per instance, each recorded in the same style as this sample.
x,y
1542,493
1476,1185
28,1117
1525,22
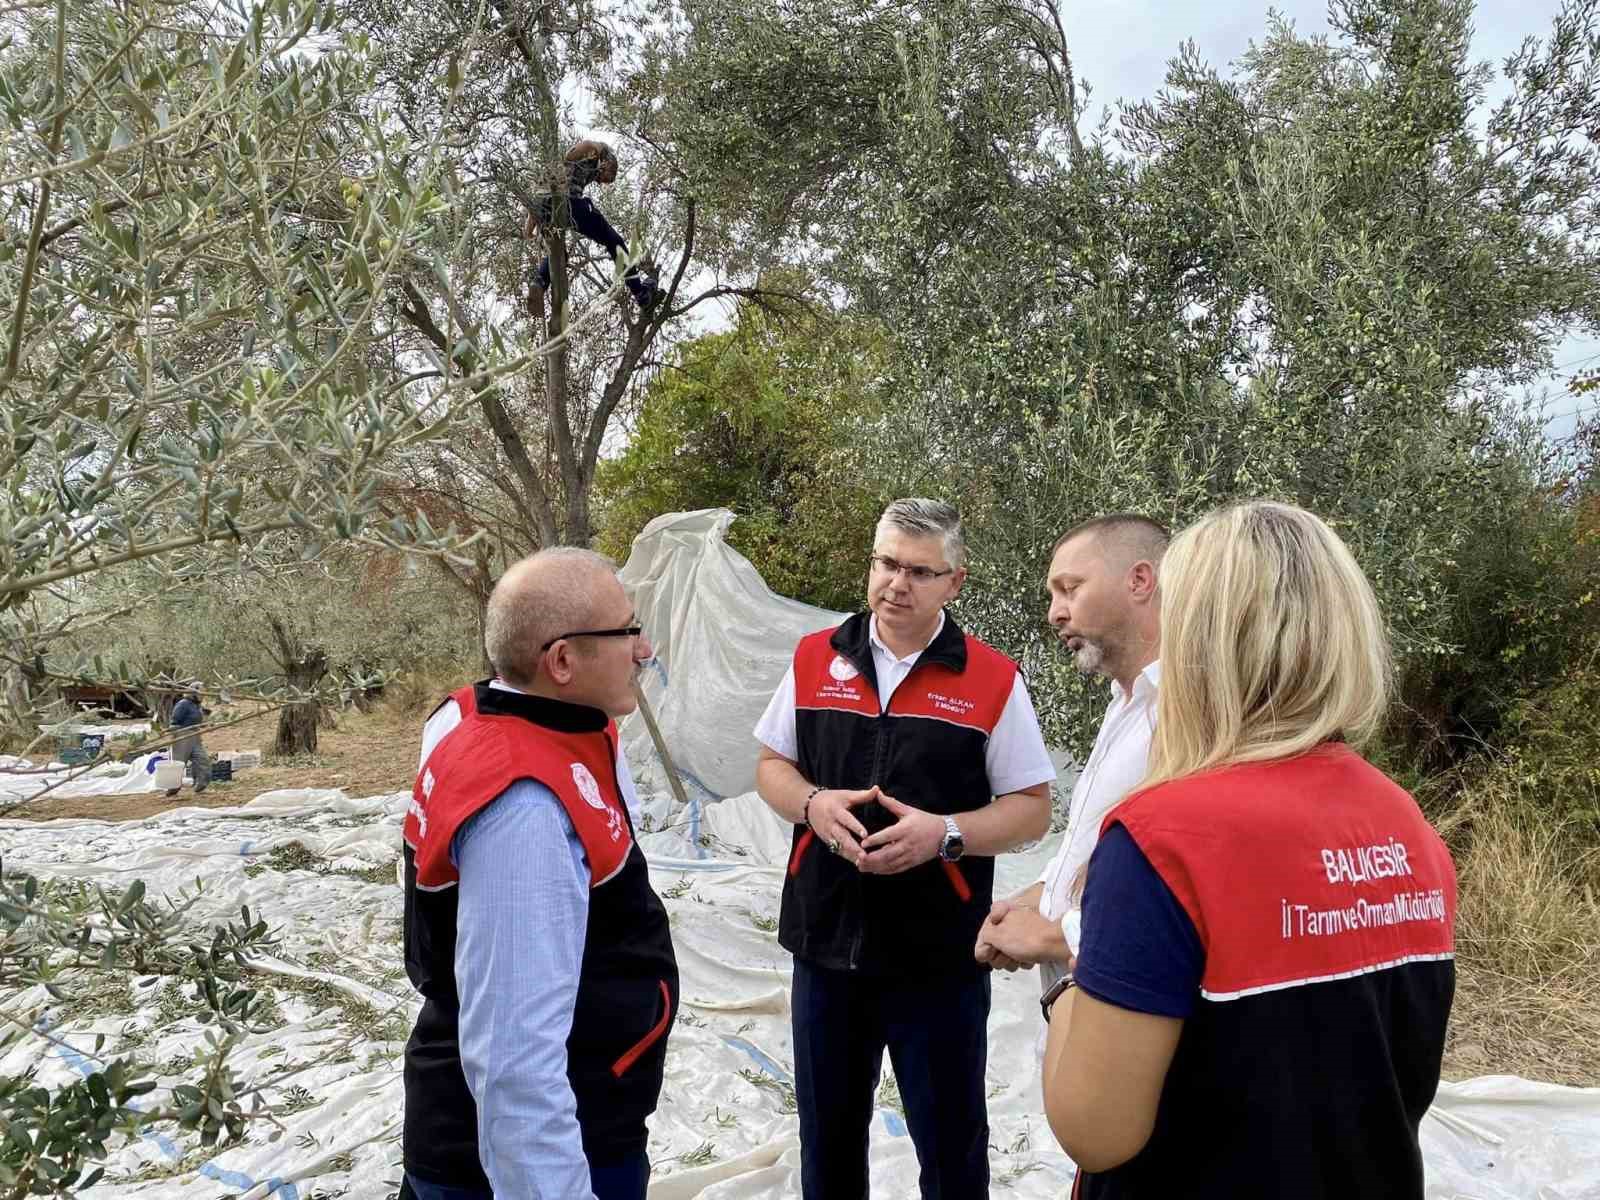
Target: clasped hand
x,y
1018,935
912,840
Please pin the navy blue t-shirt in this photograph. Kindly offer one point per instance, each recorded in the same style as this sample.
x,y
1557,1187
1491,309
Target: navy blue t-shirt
x,y
1139,949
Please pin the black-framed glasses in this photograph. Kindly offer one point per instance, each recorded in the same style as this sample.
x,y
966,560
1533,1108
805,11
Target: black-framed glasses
x,y
891,566
631,631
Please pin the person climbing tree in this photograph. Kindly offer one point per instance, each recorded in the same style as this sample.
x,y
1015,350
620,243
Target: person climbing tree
x,y
587,162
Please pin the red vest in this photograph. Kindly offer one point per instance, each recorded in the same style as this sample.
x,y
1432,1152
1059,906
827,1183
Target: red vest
x,y
484,755
929,750
628,982
1298,872
1325,905
971,696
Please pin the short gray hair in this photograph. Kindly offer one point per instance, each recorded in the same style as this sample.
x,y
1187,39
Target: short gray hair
x,y
920,517
537,600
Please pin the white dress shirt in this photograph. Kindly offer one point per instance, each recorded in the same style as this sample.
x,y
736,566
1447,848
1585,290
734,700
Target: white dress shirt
x,y
1014,757
1116,766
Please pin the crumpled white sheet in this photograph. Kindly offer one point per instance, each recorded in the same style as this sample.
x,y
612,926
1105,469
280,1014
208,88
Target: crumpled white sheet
x,y
723,1130
21,778
712,620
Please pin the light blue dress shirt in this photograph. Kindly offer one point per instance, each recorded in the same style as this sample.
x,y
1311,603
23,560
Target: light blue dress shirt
x,y
523,910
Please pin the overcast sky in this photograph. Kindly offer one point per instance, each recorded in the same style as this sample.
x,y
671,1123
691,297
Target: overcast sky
x,y
1122,48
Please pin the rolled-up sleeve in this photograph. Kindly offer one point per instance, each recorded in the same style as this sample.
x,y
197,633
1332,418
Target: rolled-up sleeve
x,y
776,729
523,910
1016,757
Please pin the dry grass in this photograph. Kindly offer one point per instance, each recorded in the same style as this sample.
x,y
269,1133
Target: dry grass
x,y
1528,943
414,693
366,754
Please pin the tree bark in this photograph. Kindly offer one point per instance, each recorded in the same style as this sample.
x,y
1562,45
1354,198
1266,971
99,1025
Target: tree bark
x,y
297,722
303,668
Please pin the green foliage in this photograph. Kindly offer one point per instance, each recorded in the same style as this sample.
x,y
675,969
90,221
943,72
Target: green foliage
x,y
1554,748
1524,613
198,232
1316,280
69,935
761,420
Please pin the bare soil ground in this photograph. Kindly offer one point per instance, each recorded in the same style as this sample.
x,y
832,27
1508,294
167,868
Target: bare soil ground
x,y
366,754
1537,1028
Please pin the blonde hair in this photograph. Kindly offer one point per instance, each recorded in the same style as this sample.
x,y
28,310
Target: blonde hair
x,y
1272,642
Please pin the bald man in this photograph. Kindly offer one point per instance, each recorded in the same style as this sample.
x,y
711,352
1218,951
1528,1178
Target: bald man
x,y
1105,608
542,953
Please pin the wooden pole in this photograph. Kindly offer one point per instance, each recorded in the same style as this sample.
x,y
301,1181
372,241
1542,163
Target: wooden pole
x,y
661,744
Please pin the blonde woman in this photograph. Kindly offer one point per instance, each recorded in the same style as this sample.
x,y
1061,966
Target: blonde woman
x,y
1259,1003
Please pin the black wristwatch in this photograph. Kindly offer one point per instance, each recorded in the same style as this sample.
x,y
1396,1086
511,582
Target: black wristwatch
x,y
954,845
1053,993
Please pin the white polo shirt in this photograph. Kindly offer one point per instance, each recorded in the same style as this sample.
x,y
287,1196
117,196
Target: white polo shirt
x,y
1015,756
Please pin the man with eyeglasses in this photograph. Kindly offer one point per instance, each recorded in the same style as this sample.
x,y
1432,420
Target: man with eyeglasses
x,y
906,754
541,951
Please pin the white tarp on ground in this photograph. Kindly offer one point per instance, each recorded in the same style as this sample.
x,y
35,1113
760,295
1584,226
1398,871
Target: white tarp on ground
x,y
725,1129
21,779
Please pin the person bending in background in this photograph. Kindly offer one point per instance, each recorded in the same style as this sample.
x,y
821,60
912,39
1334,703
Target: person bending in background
x,y
1259,1003
190,749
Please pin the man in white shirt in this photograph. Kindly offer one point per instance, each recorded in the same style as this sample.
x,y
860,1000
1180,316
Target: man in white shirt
x,y
1105,607
906,755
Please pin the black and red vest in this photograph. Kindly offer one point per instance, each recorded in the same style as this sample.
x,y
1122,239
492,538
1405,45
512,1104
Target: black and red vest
x,y
1325,904
926,750
628,985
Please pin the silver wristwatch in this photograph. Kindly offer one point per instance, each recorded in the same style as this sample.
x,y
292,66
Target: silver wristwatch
x,y
954,845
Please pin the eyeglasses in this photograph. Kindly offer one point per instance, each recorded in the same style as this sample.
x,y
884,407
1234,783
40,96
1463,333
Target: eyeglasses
x,y
890,566
628,631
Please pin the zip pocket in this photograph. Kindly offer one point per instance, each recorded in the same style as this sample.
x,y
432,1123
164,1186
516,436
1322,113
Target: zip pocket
x,y
800,849
957,880
623,1064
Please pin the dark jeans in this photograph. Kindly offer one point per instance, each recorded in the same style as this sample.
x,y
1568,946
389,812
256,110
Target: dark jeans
x,y
935,1029
589,221
619,1181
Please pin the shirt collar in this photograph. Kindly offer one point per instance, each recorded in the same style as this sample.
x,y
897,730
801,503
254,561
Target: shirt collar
x,y
878,644
496,697
1144,684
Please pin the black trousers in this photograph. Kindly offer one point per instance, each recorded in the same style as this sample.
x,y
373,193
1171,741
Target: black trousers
x,y
936,1031
589,221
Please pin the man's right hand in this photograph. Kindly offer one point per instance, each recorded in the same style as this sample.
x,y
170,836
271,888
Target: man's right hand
x,y
835,825
986,951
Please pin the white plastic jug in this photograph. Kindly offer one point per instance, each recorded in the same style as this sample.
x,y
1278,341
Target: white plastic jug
x,y
169,774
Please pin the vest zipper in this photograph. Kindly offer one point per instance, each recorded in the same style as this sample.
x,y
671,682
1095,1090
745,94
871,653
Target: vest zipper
x,y
952,871
882,728
625,1063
